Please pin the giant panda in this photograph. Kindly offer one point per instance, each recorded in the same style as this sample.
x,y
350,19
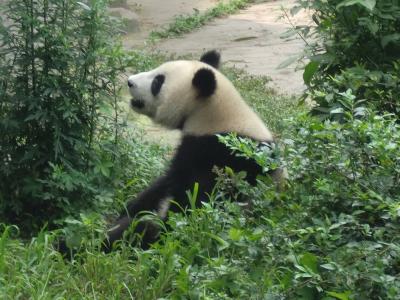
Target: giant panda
x,y
195,97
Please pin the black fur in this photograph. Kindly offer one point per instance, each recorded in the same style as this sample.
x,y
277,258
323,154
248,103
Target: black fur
x,y
138,103
193,162
211,58
157,84
205,82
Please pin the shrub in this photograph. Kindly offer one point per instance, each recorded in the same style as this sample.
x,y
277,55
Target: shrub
x,y
346,186
333,232
58,74
353,44
376,89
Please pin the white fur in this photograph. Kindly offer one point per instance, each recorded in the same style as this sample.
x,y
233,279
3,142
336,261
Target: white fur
x,y
223,111
163,208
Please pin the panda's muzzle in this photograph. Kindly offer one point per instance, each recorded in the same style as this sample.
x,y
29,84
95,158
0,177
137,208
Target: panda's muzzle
x,y
137,103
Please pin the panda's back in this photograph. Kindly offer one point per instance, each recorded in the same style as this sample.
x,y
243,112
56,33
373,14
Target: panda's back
x,y
226,111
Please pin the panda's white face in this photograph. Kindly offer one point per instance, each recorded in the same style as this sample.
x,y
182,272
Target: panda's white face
x,y
166,94
145,88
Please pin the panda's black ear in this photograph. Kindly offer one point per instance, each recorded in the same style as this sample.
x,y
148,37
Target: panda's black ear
x,y
211,58
205,82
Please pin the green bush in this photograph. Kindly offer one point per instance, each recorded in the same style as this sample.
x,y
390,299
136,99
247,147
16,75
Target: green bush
x,y
376,89
58,74
333,233
345,185
353,44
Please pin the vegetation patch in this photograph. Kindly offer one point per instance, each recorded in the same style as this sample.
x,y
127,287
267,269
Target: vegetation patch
x,y
186,23
352,45
332,234
59,72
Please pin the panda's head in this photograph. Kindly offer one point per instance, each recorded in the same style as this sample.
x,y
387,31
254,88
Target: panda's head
x,y
171,92
195,97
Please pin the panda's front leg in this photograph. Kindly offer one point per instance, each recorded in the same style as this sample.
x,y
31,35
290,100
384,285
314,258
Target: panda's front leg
x,y
149,200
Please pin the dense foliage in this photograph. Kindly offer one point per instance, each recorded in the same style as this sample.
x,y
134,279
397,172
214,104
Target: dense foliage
x,y
336,223
353,44
345,200
58,74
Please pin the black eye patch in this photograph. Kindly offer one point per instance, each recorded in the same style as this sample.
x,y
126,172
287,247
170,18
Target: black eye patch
x,y
157,84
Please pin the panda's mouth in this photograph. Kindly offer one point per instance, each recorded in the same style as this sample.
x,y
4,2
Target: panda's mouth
x,y
137,103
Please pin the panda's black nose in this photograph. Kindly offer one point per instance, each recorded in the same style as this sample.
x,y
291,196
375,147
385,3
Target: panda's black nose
x,y
131,83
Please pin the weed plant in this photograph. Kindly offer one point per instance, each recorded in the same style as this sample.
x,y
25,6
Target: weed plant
x,y
186,23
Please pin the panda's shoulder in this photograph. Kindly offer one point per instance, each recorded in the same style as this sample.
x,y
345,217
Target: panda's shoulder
x,y
200,145
199,151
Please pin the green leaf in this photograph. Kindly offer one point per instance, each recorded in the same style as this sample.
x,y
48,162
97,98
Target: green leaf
x,y
84,6
193,196
341,296
235,234
328,267
295,9
369,4
309,261
338,110
309,71
222,243
306,293
387,39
